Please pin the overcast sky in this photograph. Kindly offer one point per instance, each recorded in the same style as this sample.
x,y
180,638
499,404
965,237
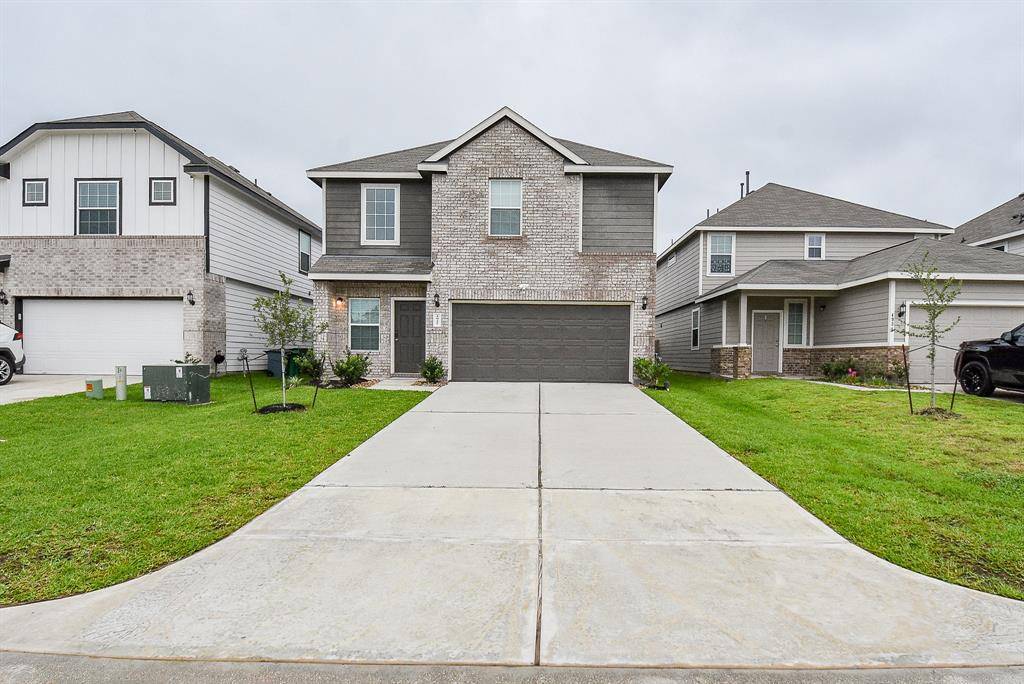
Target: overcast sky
x,y
916,108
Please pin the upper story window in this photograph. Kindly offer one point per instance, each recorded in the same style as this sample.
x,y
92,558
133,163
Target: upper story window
x,y
721,254
506,207
380,224
305,243
814,246
364,324
35,192
163,191
98,206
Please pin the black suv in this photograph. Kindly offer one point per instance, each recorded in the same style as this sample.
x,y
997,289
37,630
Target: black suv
x,y
984,365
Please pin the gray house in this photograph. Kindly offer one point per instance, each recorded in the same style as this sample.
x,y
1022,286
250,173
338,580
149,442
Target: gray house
x,y
121,244
784,280
1001,228
507,253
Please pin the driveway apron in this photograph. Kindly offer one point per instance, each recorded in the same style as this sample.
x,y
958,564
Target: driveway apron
x,y
522,524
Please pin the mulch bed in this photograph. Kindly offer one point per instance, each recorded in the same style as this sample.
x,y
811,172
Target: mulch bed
x,y
281,408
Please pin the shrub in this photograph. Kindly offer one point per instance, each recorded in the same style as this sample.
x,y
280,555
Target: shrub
x,y
858,372
651,372
432,369
351,369
311,366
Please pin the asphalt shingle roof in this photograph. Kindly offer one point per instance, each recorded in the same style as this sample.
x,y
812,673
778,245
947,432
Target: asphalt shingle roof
x,y
372,265
993,223
775,205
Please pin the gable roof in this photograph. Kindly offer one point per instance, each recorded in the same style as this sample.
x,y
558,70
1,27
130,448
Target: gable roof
x,y
948,257
994,223
199,161
414,161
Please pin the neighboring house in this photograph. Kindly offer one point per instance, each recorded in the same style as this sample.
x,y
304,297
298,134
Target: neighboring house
x,y
1001,228
784,280
505,252
122,244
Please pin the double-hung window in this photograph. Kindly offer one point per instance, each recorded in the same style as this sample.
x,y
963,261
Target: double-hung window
x,y
695,329
721,254
162,191
381,217
304,252
98,206
814,246
34,192
796,323
506,207
364,324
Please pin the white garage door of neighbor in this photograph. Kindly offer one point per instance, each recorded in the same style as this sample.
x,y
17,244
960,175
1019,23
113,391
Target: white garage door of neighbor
x,y
91,336
976,323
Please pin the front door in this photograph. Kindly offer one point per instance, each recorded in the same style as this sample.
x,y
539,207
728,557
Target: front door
x,y
765,342
410,335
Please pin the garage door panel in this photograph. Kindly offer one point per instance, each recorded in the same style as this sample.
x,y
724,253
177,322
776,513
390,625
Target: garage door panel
x,y
92,336
976,323
540,342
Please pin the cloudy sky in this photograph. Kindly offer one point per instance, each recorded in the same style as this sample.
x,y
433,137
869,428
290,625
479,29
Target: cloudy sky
x,y
913,107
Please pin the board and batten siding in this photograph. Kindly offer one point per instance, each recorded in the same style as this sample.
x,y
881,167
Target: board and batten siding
x,y
343,219
618,213
859,315
677,283
673,334
132,155
251,245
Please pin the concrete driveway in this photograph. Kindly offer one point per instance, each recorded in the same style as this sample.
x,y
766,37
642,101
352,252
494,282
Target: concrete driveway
x,y
26,387
534,524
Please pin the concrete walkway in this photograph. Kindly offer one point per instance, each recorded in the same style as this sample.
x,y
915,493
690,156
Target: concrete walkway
x,y
26,387
524,524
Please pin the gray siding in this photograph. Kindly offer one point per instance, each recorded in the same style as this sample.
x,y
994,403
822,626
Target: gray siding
x,y
856,316
1015,245
618,213
852,245
677,284
240,323
732,320
673,333
972,290
344,219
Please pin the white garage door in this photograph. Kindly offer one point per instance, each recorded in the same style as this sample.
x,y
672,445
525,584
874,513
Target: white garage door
x,y
976,323
94,335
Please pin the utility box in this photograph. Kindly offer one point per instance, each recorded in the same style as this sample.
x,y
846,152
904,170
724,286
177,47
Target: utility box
x,y
94,388
186,383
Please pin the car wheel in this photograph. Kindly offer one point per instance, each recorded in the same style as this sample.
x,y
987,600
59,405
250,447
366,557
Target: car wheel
x,y
6,370
974,378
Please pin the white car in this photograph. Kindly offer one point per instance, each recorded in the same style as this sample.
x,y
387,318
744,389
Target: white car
x,y
12,353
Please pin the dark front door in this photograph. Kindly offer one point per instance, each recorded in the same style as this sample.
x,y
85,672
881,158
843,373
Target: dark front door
x,y
410,335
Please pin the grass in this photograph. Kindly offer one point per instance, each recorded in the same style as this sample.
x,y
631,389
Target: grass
x,y
96,492
941,497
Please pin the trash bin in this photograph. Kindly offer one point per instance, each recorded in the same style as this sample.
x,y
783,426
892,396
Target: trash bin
x,y
274,361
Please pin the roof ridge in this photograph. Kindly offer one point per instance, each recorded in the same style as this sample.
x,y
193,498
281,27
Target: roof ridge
x,y
837,199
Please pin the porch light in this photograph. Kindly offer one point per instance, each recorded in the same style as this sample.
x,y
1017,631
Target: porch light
x,y
339,301
190,298
903,310
3,297
643,303
437,300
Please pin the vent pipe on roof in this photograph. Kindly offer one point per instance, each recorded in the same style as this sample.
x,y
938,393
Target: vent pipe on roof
x,y
709,214
748,182
741,190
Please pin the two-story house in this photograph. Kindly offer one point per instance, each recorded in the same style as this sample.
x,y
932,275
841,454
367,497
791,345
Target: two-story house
x,y
505,252
1000,228
121,244
783,280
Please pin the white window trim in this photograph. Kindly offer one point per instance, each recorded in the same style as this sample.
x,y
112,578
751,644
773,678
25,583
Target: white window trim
x,y
363,187
174,191
785,323
309,254
491,206
695,327
116,208
365,325
807,246
45,182
732,256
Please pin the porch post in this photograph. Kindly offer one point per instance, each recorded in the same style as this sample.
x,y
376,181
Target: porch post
x,y
743,318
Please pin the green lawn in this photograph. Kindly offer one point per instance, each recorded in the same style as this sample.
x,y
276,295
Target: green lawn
x,y
942,497
97,492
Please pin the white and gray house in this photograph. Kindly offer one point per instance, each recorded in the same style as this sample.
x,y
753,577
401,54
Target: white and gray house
x,y
506,252
783,280
1001,228
121,244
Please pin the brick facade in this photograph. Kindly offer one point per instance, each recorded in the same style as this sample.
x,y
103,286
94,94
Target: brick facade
x,y
735,361
731,362
117,266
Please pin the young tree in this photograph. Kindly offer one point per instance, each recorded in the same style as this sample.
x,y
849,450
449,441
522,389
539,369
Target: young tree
x,y
938,295
285,323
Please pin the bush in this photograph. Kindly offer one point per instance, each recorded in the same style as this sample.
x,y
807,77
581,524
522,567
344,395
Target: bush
x,y
351,369
857,372
311,366
432,369
651,372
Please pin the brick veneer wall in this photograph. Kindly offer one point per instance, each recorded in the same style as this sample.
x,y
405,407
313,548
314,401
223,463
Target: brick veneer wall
x,y
117,266
731,362
884,356
544,264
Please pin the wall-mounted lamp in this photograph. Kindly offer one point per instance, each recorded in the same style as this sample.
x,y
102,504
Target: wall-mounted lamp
x,y
3,297
190,298
643,303
821,307
338,301
437,300
903,310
